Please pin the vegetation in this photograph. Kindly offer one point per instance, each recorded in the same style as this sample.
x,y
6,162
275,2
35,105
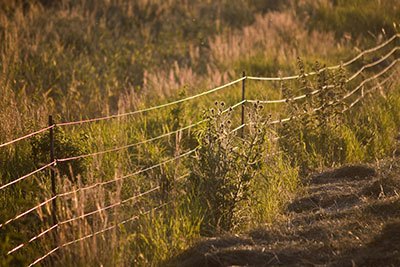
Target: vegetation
x,y
84,59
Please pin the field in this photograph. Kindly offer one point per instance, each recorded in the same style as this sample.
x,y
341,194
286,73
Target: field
x,y
132,130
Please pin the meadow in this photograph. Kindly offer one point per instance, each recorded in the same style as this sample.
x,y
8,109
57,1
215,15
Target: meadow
x,y
140,199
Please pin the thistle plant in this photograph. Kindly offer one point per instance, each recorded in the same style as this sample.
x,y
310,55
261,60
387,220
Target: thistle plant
x,y
311,137
225,166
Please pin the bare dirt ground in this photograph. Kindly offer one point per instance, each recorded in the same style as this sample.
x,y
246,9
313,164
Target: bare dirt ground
x,y
347,217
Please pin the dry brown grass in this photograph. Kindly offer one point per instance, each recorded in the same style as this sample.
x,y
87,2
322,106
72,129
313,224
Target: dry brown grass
x,y
348,217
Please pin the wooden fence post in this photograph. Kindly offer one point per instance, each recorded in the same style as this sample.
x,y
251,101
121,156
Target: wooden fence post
x,y
243,99
52,172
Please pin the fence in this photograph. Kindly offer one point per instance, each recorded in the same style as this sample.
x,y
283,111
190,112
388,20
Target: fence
x,y
52,165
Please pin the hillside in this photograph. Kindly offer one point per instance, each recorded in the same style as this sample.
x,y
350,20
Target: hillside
x,y
131,130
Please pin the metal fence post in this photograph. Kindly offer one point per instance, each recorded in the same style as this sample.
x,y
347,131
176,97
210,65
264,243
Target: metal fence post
x,y
52,172
243,99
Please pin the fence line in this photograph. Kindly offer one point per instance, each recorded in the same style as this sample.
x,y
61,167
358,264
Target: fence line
x,y
187,153
119,203
368,51
211,91
133,218
279,121
26,136
146,141
28,175
154,107
155,138
104,183
394,62
379,85
372,64
364,67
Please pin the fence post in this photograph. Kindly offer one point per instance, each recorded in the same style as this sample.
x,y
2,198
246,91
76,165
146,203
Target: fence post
x,y
52,172
243,98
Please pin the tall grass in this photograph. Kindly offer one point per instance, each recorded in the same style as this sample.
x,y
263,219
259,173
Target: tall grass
x,y
78,59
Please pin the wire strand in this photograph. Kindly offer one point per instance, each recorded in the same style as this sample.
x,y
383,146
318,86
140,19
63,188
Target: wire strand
x,y
277,101
26,136
379,85
27,175
394,62
28,211
368,51
372,64
133,218
145,141
102,183
119,203
152,108
285,100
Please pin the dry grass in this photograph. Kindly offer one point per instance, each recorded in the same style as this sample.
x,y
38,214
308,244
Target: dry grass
x,y
119,58
362,230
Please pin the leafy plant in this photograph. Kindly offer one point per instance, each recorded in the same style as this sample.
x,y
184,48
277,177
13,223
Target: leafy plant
x,y
65,146
225,166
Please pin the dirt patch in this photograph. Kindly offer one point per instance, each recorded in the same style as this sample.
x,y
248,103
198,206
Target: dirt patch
x,y
383,187
202,253
386,208
346,217
323,201
383,250
351,172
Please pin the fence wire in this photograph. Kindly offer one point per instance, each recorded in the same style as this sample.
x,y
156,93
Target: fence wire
x,y
146,141
133,218
102,184
110,206
26,136
28,175
345,64
152,108
355,75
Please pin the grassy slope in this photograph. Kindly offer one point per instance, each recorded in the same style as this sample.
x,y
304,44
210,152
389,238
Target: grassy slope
x,y
123,56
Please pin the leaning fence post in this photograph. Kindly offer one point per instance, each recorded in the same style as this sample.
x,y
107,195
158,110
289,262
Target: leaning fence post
x,y
52,172
243,99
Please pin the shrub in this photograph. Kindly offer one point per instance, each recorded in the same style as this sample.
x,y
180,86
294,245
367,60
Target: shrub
x,y
225,166
65,146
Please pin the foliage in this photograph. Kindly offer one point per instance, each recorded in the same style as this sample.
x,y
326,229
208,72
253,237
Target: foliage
x,y
86,58
225,166
65,146
356,17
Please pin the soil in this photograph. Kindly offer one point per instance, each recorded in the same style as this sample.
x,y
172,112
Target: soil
x,y
347,217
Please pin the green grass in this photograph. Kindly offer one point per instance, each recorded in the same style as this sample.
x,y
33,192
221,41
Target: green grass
x,y
82,59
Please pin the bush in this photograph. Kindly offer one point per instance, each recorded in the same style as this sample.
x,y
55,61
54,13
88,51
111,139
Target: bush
x,y
65,146
225,166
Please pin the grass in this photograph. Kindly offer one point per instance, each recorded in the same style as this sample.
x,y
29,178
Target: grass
x,y
81,59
